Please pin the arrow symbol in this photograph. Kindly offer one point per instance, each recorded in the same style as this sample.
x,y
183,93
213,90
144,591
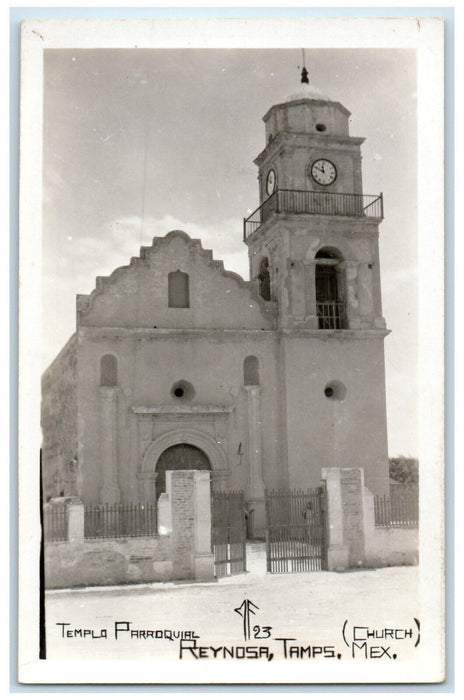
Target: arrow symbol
x,y
245,610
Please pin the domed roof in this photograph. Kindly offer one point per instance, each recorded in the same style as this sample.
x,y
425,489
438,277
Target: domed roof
x,y
306,92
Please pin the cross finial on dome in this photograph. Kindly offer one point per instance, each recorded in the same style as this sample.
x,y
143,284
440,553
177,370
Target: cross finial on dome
x,y
304,72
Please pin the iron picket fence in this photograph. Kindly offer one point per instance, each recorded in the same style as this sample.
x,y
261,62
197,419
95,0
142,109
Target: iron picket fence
x,y
120,520
399,509
55,523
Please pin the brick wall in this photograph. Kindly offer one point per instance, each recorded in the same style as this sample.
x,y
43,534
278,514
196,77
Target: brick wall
x,y
181,491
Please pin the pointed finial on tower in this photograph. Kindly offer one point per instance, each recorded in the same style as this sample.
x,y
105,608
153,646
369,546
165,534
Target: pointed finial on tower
x,y
304,72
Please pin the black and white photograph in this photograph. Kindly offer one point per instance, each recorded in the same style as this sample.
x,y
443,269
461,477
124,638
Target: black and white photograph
x,y
231,352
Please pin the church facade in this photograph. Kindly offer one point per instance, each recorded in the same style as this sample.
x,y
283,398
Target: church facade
x,y
178,363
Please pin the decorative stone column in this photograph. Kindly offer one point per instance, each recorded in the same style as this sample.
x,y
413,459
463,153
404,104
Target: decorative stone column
x,y
311,308
255,483
365,293
109,491
350,270
147,486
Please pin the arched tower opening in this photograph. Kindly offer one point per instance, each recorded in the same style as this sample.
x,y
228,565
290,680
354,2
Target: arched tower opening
x,y
330,306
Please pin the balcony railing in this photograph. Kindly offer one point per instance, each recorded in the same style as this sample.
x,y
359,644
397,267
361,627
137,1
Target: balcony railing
x,y
309,202
331,314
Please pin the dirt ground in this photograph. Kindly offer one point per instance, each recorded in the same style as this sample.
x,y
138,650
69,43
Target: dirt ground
x,y
316,610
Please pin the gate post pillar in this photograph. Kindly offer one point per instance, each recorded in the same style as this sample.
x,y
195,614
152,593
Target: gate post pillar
x,y
189,495
337,552
203,559
345,518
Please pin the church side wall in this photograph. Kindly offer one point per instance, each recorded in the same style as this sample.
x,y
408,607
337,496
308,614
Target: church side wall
x,y
347,429
59,421
149,364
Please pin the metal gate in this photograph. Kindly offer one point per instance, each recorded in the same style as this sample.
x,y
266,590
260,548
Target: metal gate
x,y
228,532
296,530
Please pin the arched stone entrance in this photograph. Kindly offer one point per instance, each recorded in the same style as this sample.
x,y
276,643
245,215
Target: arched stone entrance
x,y
205,444
181,456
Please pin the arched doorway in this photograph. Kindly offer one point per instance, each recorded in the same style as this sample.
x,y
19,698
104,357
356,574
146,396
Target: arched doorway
x,y
182,456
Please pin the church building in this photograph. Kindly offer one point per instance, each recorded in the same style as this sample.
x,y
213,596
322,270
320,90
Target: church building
x,y
177,363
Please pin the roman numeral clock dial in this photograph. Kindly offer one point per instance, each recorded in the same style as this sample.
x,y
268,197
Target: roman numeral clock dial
x,y
323,172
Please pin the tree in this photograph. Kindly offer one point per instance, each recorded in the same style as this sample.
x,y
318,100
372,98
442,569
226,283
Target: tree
x,y
404,469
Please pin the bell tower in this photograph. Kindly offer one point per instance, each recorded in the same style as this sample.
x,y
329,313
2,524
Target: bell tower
x,y
314,255
313,241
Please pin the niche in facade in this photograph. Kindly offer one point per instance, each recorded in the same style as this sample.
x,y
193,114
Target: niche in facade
x,y
251,371
178,290
108,371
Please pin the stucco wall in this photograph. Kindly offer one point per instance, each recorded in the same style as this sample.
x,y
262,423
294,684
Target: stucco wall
x,y
149,363
59,421
107,561
136,296
392,547
326,432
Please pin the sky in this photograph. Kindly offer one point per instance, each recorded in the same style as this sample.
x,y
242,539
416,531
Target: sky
x,y
138,142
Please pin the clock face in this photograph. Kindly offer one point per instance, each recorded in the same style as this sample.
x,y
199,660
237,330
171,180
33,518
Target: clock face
x,y
323,171
270,182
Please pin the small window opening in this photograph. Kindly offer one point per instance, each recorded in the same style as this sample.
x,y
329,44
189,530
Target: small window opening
x,y
108,371
264,280
178,290
251,371
321,127
335,390
183,390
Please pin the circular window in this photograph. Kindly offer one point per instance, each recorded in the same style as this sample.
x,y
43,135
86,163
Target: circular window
x,y
335,390
182,390
321,127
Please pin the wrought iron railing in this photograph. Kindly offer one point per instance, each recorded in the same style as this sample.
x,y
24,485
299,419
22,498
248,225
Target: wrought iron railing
x,y
399,509
312,202
331,314
55,523
120,520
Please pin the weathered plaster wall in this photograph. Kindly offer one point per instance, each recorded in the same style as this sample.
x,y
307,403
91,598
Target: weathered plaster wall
x,y
107,562
392,547
149,364
59,422
136,296
327,432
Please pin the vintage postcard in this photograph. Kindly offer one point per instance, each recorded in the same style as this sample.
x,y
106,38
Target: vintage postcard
x,y
231,462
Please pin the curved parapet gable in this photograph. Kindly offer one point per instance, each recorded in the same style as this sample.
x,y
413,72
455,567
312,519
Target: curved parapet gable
x,y
137,295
